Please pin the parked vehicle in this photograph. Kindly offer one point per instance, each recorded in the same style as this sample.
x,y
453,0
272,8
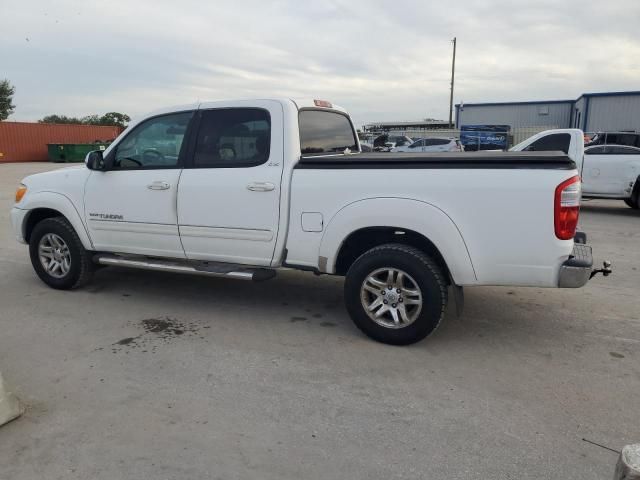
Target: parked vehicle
x,y
431,145
386,142
631,139
607,170
364,147
241,189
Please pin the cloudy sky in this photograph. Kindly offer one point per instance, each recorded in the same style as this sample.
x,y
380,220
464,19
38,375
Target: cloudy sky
x,y
381,60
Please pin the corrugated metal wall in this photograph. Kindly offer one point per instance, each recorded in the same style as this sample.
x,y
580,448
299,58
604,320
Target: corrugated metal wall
x,y
578,113
556,115
613,113
27,142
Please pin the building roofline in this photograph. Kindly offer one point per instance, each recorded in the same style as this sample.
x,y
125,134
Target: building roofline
x,y
609,94
497,104
552,102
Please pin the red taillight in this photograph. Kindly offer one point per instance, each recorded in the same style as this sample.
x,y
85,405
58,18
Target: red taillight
x,y
567,208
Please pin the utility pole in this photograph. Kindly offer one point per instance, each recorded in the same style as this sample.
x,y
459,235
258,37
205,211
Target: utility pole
x,y
453,73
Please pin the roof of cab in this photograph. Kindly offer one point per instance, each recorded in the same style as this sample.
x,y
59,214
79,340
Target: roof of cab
x,y
299,103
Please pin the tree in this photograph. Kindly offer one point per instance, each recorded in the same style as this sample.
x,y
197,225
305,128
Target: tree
x,y
116,119
111,119
60,119
91,120
6,99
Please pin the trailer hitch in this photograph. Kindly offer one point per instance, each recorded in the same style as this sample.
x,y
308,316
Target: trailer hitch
x,y
606,270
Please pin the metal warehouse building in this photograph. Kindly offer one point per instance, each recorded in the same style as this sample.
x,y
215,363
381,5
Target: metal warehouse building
x,y
591,112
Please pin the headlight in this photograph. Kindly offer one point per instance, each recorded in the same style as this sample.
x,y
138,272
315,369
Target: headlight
x,y
22,189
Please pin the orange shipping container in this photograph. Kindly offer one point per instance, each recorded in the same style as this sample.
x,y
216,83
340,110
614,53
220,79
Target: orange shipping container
x,y
27,142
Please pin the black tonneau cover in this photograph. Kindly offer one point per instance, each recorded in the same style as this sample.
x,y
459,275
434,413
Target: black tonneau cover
x,y
462,160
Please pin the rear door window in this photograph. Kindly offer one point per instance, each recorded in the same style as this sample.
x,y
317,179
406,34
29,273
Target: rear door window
x,y
554,142
630,139
323,132
233,137
620,150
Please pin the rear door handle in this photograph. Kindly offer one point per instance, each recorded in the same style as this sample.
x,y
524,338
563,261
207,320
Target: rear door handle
x,y
158,185
261,186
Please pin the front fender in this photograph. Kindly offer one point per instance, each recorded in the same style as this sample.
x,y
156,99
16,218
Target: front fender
x,y
402,213
60,203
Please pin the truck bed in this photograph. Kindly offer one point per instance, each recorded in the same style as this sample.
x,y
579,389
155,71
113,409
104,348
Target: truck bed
x,y
491,214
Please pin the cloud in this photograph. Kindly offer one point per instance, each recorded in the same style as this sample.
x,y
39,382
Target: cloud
x,y
380,60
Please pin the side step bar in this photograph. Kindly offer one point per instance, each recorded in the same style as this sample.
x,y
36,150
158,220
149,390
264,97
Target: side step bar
x,y
208,269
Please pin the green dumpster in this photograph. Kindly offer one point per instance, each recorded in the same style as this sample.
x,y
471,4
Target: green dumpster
x,y
72,152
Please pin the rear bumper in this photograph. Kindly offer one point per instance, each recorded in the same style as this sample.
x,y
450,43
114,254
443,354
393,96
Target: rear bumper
x,y
575,272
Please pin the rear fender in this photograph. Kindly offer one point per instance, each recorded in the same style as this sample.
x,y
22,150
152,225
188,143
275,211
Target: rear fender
x,y
401,213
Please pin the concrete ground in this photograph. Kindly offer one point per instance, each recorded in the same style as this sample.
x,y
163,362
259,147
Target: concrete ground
x,y
159,376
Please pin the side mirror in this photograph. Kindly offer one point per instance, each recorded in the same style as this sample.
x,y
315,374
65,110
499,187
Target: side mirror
x,y
95,160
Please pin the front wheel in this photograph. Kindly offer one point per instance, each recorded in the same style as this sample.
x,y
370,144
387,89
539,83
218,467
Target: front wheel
x,y
632,202
58,256
396,294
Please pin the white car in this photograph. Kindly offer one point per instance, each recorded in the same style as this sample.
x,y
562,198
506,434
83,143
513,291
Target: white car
x,y
431,145
385,142
608,171
612,171
241,189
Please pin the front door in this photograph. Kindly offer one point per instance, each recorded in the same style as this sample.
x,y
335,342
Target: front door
x,y
229,195
131,207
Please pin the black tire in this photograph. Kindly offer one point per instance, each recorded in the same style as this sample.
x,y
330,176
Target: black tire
x,y
81,266
423,271
632,202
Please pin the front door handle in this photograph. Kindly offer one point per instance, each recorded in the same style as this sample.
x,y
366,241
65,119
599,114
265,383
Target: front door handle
x,y
261,186
158,185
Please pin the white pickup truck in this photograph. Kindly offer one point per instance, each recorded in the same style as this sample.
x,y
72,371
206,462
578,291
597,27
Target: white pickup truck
x,y
608,170
241,189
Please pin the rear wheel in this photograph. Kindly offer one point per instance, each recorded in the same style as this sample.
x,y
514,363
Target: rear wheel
x,y
396,294
632,202
58,256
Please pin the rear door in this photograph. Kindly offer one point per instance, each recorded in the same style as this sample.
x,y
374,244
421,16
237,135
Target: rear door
x,y
229,192
441,144
429,145
610,169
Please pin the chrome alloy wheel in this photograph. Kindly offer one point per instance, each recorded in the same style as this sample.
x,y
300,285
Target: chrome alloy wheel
x,y
391,298
54,255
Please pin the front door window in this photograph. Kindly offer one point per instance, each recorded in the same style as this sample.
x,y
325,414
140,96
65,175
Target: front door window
x,y
155,143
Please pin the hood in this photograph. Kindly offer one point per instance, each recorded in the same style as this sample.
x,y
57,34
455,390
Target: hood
x,y
60,180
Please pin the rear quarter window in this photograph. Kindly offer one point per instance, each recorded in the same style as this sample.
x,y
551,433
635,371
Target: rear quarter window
x,y
323,132
552,142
